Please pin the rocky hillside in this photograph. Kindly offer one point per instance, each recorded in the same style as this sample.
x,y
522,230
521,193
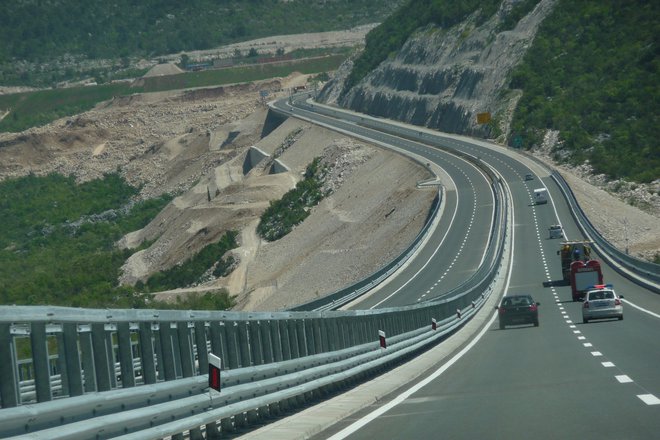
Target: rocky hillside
x,y
442,78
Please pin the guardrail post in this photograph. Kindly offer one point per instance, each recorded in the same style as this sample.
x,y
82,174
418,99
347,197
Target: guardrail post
x,y
218,336
87,358
185,349
100,354
40,361
310,336
333,336
8,372
293,338
321,335
176,352
69,350
244,343
147,353
125,355
300,336
233,356
202,350
255,343
60,361
166,360
267,328
279,340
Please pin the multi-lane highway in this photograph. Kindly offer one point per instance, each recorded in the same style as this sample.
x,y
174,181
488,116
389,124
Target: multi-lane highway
x,y
563,379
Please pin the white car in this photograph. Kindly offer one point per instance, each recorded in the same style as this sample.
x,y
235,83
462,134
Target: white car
x,y
556,231
601,302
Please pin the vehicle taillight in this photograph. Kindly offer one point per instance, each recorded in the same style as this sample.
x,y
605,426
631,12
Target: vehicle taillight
x,y
533,308
617,302
586,304
501,310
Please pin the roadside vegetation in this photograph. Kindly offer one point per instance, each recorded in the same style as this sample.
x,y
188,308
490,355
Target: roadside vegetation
x,y
57,244
294,207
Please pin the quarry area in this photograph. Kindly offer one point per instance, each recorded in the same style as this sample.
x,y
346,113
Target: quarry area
x,y
195,143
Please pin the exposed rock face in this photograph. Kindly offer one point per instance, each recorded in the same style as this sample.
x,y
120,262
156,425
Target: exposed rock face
x,y
442,78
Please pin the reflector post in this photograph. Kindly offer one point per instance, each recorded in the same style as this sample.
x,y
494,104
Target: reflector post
x,y
381,336
214,372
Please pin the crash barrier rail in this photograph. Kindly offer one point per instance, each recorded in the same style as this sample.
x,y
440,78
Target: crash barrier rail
x,y
644,271
248,394
273,362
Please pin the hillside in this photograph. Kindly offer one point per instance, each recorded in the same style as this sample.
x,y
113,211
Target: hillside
x,y
586,70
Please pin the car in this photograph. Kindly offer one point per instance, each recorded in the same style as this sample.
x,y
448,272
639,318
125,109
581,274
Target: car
x,y
518,309
529,177
601,302
556,231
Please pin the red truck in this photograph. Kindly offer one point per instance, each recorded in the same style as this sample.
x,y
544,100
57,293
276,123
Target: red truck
x,y
578,268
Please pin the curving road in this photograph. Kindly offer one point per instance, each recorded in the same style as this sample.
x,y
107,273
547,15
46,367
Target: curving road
x,y
560,380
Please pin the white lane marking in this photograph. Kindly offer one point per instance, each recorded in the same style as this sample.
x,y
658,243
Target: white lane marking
x,y
577,332
655,315
623,378
355,426
581,338
568,321
607,364
588,344
649,399
596,353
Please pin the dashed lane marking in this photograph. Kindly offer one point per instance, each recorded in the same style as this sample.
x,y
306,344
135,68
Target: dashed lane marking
x,y
649,399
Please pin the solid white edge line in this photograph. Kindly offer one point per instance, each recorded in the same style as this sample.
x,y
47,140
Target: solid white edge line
x,y
355,426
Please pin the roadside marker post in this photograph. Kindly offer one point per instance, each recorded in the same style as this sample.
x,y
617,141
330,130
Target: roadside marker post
x,y
215,364
381,336
434,324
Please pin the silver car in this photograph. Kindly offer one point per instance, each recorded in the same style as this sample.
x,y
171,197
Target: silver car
x,y
601,302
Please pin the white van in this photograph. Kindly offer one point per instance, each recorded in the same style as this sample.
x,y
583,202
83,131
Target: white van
x,y
540,196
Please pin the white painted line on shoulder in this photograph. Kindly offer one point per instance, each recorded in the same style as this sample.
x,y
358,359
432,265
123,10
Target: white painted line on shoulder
x,y
649,399
623,378
607,364
641,309
596,353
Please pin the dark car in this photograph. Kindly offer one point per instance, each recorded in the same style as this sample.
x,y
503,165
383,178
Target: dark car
x,y
518,309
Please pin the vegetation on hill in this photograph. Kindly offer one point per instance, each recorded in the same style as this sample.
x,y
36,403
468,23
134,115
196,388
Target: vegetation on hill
x,y
70,30
282,215
30,109
57,243
592,73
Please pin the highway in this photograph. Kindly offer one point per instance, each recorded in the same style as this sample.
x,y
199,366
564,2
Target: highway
x,y
563,379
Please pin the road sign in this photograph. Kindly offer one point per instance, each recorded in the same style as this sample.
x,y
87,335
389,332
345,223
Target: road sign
x,y
483,118
214,372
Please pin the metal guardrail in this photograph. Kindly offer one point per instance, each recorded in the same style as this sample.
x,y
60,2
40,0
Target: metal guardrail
x,y
646,273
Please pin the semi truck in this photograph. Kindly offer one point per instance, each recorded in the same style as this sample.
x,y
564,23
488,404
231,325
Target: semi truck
x,y
578,268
